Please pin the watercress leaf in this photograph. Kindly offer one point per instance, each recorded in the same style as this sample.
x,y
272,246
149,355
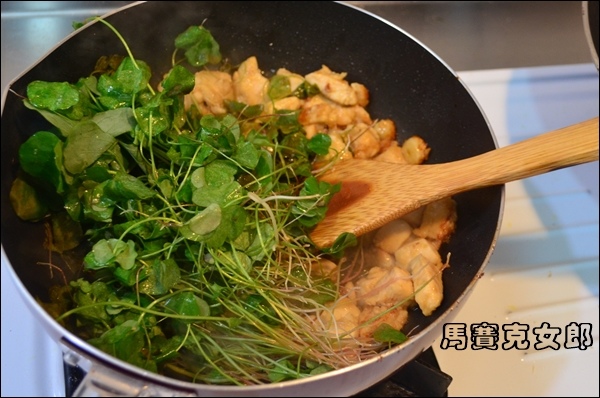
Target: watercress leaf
x,y
237,261
149,231
100,256
199,45
53,96
72,203
230,122
236,216
114,102
241,109
197,178
322,291
306,90
165,349
205,221
227,229
385,333
222,194
311,210
287,121
246,154
134,152
25,201
178,81
282,370
129,78
295,150
41,156
84,146
185,192
341,243
264,169
116,121
188,304
124,341
107,252
89,84
66,232
126,186
85,294
153,119
210,124
320,370
262,242
220,172
166,185
279,87
107,64
96,173
260,307
320,144
61,122
125,254
96,204
162,276
129,277
189,151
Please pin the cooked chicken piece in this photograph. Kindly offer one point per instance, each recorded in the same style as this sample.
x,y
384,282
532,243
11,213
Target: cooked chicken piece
x,y
427,281
421,259
312,129
325,268
384,286
295,79
415,150
318,109
364,142
393,154
348,291
342,318
413,248
362,94
374,256
392,235
414,217
250,86
211,89
333,86
386,131
288,103
439,220
396,318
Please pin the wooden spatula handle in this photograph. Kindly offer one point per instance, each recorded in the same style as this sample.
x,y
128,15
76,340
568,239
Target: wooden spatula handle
x,y
565,147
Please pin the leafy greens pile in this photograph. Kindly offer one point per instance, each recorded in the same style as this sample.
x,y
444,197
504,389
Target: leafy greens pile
x,y
197,261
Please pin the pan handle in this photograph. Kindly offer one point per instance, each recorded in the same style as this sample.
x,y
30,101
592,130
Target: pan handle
x,y
104,380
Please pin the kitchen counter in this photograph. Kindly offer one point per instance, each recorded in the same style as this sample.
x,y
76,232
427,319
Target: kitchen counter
x,y
529,67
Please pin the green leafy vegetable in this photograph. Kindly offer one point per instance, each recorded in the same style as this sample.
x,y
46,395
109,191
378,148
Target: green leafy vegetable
x,y
193,228
199,45
387,334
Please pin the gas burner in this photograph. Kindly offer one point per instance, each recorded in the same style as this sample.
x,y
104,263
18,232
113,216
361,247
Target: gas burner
x,y
421,377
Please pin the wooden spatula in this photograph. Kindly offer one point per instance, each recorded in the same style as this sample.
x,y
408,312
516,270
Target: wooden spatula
x,y
374,193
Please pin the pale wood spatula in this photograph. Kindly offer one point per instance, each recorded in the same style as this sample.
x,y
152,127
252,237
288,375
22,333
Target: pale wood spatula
x,y
374,193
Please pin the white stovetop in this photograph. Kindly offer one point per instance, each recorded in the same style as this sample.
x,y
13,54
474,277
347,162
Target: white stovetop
x,y
544,268
545,265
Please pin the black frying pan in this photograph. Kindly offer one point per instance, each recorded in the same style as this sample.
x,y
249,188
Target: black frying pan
x,y
407,82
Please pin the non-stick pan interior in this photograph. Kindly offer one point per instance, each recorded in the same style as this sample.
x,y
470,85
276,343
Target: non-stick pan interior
x,y
407,83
